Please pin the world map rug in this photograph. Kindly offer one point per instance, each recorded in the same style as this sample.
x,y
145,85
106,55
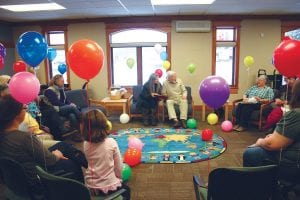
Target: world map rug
x,y
168,145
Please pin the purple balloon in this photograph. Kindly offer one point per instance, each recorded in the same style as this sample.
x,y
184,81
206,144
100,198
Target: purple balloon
x,y
214,91
2,51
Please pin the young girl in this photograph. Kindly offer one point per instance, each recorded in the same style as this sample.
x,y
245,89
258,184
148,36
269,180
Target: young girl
x,y
104,173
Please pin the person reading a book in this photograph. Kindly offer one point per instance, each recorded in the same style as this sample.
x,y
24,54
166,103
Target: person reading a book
x,y
176,92
149,98
252,99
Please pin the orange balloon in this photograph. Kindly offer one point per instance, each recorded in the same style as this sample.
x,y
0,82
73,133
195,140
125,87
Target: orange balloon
x,y
132,156
85,58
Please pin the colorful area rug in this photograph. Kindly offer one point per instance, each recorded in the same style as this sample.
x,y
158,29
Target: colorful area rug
x,y
171,145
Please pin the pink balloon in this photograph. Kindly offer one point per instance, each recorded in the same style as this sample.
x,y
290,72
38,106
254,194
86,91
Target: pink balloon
x,y
226,126
159,73
136,143
24,87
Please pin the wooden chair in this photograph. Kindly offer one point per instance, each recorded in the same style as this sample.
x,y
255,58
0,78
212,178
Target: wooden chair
x,y
241,183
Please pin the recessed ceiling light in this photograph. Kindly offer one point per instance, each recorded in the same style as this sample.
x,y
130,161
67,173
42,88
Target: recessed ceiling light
x,y
180,2
33,7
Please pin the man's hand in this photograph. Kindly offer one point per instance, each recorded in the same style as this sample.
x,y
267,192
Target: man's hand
x,y
59,155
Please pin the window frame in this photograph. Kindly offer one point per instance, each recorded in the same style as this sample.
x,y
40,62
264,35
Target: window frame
x,y
48,68
114,27
236,61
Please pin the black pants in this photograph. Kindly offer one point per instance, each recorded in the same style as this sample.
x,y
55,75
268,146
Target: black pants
x,y
126,194
244,111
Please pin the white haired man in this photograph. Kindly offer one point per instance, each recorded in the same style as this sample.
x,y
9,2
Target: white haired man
x,y
176,92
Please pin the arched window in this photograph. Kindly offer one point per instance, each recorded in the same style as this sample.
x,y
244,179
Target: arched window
x,y
133,56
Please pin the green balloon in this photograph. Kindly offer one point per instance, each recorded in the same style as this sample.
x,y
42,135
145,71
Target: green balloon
x,y
126,172
192,123
191,68
130,62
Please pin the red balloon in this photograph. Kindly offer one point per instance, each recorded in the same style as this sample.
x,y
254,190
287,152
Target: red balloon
x,y
19,66
85,58
159,73
207,134
132,156
286,57
1,62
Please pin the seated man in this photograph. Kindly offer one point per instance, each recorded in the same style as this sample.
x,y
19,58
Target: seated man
x,y
176,92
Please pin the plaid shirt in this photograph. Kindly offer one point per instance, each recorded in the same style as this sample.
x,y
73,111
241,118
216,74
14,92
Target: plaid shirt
x,y
263,93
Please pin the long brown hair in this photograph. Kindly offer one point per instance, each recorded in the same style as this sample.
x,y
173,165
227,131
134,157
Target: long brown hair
x,y
295,99
95,126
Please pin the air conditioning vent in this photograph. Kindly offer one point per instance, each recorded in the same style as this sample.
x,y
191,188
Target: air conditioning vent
x,y
193,26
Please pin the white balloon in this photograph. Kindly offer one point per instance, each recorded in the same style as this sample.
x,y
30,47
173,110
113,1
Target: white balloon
x,y
158,48
124,118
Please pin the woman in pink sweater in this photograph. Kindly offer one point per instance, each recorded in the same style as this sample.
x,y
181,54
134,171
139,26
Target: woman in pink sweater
x,y
104,172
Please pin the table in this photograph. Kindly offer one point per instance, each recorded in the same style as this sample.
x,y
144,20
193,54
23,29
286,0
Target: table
x,y
107,102
226,106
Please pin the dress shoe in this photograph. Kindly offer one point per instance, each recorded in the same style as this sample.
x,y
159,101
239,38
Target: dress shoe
x,y
183,123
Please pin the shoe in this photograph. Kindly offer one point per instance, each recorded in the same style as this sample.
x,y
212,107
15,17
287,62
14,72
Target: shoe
x,y
153,122
183,123
146,122
241,129
176,123
236,127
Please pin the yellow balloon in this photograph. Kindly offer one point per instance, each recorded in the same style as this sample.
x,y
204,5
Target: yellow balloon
x,y
166,64
212,118
109,125
248,61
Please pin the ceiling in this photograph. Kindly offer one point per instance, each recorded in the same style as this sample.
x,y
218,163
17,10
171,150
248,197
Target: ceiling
x,y
83,9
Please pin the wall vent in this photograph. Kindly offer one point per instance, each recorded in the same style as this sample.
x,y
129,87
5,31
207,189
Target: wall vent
x,y
193,26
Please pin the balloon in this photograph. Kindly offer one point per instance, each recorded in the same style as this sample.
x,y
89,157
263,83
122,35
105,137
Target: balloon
x,y
212,118
24,87
85,58
286,57
207,134
192,123
132,156
191,68
62,68
19,66
248,61
158,48
136,143
159,73
124,118
51,54
126,172
2,51
32,48
130,62
163,55
166,64
226,126
109,124
214,91
1,62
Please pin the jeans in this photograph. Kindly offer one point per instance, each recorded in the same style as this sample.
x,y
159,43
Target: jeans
x,y
257,156
72,113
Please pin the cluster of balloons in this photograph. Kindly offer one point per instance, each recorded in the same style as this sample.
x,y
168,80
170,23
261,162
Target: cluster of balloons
x,y
214,91
286,57
2,55
124,118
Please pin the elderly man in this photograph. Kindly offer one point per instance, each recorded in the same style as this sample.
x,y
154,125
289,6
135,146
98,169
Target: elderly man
x,y
176,92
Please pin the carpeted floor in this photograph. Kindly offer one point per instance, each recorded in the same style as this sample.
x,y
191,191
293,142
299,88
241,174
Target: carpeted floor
x,y
168,145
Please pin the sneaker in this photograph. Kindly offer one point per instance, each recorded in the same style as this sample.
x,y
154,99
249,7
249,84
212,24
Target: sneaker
x,y
183,123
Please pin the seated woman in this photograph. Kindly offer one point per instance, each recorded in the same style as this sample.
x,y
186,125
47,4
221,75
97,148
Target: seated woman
x,y
27,150
284,96
55,96
148,100
104,174
252,99
283,145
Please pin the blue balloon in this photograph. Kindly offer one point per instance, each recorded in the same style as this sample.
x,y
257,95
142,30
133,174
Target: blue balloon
x,y
51,54
163,55
32,48
62,68
214,91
